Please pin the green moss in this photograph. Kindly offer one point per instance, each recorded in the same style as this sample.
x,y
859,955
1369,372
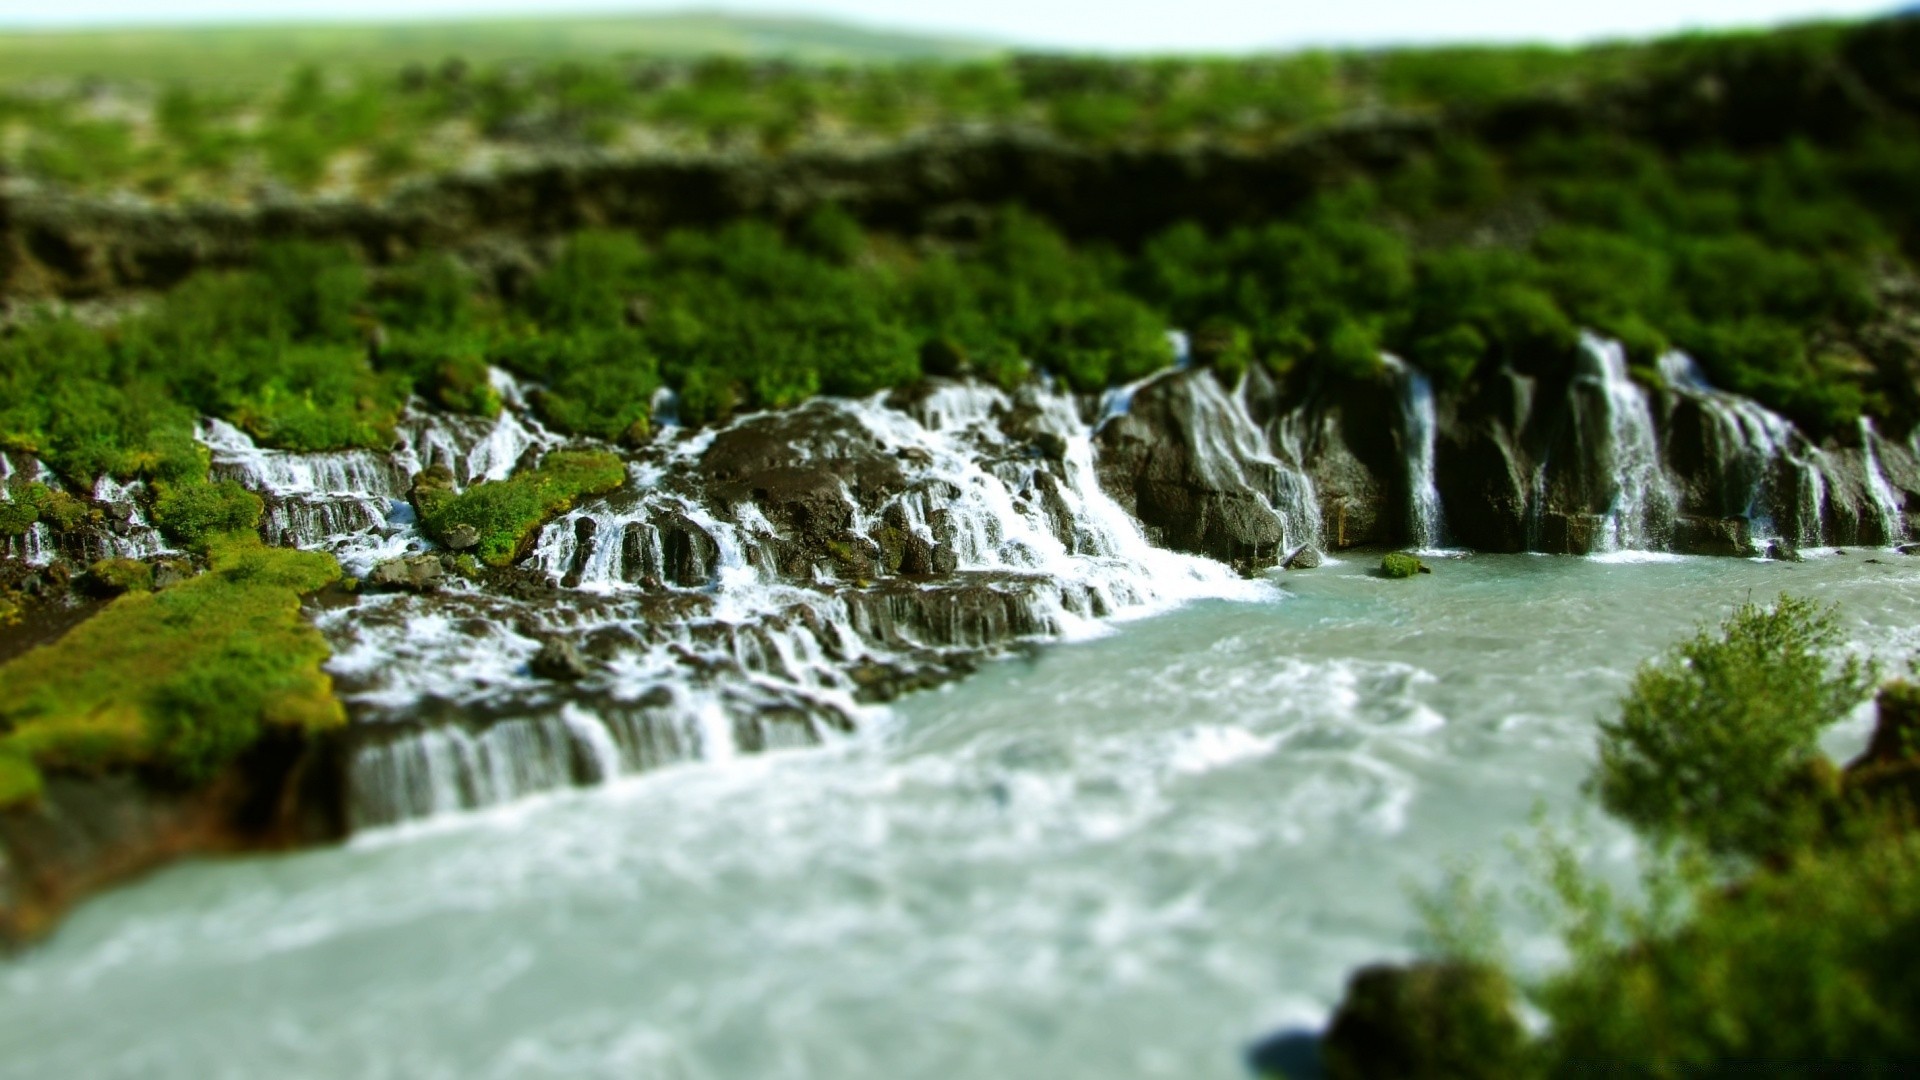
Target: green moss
x,y
191,512
115,576
508,513
20,782
181,680
1400,565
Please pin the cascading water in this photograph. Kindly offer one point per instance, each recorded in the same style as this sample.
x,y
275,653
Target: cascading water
x,y
1641,498
706,638
1886,505
1770,448
1418,429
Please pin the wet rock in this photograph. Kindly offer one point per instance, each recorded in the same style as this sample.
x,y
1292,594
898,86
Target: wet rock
x,y
1184,461
430,486
945,560
1050,445
559,660
412,573
1570,534
1909,549
463,537
1305,557
1780,551
1727,536
690,556
1425,1021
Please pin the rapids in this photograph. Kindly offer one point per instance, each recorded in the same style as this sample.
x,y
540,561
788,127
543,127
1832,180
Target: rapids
x,y
1120,857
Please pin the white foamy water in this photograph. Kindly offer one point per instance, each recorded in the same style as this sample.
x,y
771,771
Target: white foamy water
x,y
1121,858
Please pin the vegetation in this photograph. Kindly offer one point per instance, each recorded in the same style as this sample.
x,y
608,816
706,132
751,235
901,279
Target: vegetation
x,y
505,514
1713,738
1782,898
178,681
1400,565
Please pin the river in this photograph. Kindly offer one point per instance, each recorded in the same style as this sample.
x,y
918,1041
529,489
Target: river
x,y
1123,856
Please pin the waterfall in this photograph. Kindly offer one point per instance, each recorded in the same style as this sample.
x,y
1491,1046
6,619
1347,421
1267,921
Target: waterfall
x,y
1893,525
1770,448
706,637
1641,497
1418,428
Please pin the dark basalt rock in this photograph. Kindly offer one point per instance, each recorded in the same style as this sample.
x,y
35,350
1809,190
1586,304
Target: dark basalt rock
x,y
87,833
1729,536
1155,462
1350,445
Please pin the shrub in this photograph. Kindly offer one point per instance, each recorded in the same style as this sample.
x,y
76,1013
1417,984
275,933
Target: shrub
x,y
1713,736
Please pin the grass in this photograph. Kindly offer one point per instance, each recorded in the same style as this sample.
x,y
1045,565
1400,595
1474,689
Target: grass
x,y
176,682
506,514
256,56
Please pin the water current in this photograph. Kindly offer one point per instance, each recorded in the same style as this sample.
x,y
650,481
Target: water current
x,y
1124,856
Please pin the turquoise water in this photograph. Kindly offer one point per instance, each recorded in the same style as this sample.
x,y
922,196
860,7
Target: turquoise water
x,y
1121,857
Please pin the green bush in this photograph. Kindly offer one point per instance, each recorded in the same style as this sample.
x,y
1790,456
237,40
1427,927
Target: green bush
x,y
1805,967
1713,737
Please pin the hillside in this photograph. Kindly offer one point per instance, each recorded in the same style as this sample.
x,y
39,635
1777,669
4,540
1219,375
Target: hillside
x,y
243,56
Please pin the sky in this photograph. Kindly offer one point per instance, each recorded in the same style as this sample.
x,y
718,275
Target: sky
x,y
1157,25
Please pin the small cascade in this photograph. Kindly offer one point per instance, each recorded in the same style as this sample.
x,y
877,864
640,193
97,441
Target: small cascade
x,y
340,500
1777,470
35,546
130,535
1418,429
1886,505
474,448
1642,499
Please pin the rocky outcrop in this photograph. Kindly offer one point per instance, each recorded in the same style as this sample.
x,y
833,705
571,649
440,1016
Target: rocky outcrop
x,y
1187,462
86,833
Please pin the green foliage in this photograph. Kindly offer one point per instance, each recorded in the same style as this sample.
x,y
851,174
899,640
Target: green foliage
x,y
1447,1019
20,782
508,513
181,680
36,502
1807,962
192,512
1399,565
1712,737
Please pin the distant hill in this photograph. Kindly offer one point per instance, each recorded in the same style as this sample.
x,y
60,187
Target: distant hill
x,y
249,53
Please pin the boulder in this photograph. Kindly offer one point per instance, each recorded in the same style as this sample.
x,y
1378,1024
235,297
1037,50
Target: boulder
x,y
411,573
463,537
1305,557
1782,551
559,660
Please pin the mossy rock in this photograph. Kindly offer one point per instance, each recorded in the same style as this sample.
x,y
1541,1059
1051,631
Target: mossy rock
x,y
1427,1020
1402,565
111,577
